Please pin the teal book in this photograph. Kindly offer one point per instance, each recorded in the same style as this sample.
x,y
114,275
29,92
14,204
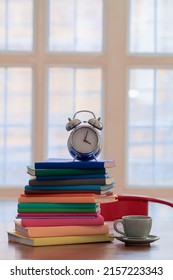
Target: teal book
x,y
71,188
69,177
68,189
70,163
64,171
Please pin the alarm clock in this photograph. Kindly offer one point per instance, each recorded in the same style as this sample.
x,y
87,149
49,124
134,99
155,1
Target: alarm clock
x,y
84,142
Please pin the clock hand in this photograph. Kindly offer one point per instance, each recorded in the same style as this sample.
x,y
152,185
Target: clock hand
x,y
86,136
85,139
87,142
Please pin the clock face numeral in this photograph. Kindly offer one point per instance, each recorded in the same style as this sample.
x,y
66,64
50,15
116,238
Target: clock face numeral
x,y
84,140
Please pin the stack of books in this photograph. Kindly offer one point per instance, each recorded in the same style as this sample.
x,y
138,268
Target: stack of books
x,y
61,204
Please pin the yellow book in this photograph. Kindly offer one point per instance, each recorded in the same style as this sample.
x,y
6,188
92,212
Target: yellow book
x,y
59,240
60,230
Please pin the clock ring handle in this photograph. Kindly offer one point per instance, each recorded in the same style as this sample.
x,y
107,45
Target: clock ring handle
x,y
86,111
93,121
72,123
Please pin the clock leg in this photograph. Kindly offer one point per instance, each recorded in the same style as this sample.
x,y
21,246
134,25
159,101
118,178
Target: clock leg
x,y
75,158
94,157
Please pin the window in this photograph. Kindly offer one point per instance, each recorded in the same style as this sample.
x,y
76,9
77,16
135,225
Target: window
x,y
75,25
150,129
16,25
151,26
15,123
38,90
108,56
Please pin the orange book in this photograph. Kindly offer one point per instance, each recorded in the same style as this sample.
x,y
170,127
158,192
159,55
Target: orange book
x,y
44,231
68,198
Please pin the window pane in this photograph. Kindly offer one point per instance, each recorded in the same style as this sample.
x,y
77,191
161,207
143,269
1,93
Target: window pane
x,y
151,26
75,25
150,127
15,124
16,25
70,90
165,26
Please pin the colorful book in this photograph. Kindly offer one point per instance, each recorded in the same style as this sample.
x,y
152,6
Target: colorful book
x,y
68,182
67,171
60,230
59,240
41,222
71,177
68,198
36,191
53,163
88,215
57,207
77,188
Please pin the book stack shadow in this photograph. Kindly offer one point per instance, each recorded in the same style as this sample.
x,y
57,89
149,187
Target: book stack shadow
x,y
61,203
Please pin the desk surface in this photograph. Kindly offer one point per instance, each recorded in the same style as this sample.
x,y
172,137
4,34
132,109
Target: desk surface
x,y
161,249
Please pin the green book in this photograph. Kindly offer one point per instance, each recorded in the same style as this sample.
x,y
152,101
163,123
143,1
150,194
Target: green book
x,y
57,210
63,171
58,207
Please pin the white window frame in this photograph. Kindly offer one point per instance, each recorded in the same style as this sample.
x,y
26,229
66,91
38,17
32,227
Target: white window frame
x,y
115,62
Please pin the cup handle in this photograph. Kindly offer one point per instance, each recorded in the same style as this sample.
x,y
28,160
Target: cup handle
x,y
116,226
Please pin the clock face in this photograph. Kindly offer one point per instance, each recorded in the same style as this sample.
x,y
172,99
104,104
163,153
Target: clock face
x,y
84,139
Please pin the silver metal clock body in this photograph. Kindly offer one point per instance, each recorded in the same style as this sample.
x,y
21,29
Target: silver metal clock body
x,y
84,143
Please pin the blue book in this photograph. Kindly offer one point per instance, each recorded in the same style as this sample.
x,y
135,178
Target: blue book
x,y
68,188
70,163
60,177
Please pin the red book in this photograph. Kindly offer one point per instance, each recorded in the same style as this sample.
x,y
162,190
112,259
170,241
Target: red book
x,y
57,215
99,220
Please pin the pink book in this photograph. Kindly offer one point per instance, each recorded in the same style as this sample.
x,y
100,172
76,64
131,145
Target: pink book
x,y
57,215
40,222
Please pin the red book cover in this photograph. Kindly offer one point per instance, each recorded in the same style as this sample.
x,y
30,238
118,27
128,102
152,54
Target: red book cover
x,y
99,220
57,215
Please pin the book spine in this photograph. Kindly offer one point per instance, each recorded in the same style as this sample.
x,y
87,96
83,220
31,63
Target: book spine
x,y
67,172
62,222
67,182
63,188
62,230
73,164
60,240
70,177
57,199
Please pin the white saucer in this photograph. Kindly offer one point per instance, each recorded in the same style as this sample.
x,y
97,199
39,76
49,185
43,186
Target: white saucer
x,y
137,241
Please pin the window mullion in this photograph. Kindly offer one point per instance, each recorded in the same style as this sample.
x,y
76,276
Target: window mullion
x,y
39,120
154,127
115,86
5,126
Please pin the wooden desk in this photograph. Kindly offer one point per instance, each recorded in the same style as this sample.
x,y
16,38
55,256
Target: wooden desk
x,y
161,249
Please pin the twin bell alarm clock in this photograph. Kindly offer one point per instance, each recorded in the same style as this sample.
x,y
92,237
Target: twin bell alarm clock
x,y
84,142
